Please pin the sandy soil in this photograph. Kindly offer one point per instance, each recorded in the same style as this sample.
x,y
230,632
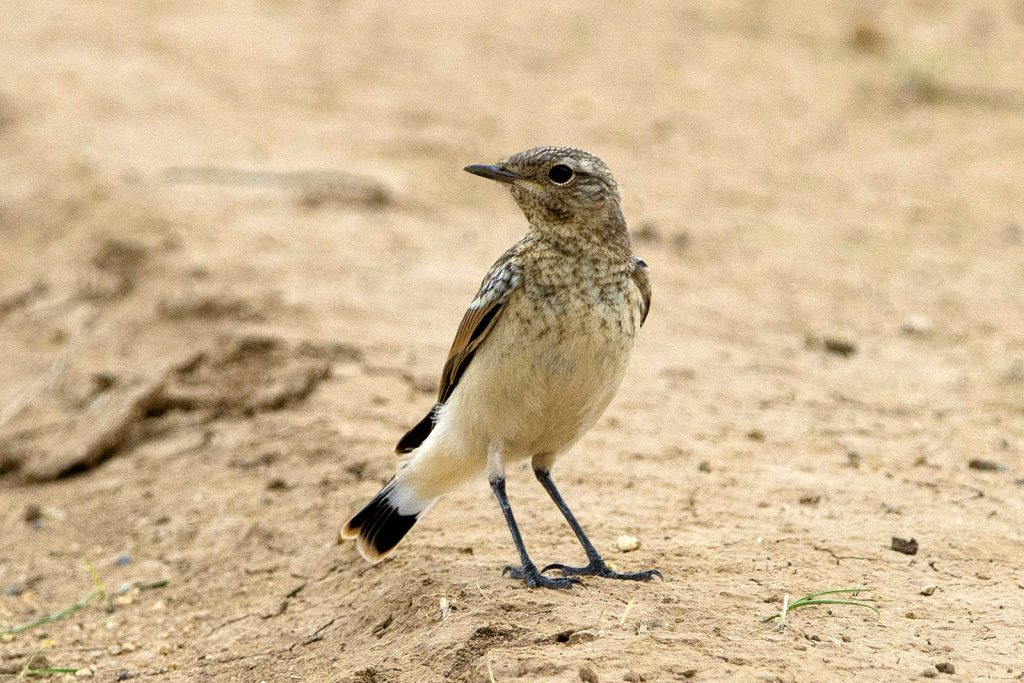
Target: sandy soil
x,y
237,241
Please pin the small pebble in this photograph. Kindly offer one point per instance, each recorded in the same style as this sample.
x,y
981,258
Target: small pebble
x,y
929,589
689,673
917,325
945,668
32,513
588,675
85,672
627,544
123,560
985,465
582,636
853,458
277,484
904,545
930,673
839,346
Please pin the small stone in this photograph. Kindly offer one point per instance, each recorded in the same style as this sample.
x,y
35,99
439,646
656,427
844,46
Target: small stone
x,y
985,465
945,668
929,589
755,435
930,673
588,675
809,499
85,672
632,677
277,484
627,544
32,513
909,615
581,636
917,325
905,546
839,346
704,466
123,560
689,673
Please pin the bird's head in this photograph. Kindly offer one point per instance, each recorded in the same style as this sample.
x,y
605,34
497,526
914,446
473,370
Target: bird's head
x,y
557,186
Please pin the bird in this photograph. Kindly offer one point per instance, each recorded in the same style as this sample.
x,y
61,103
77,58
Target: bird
x,y
538,356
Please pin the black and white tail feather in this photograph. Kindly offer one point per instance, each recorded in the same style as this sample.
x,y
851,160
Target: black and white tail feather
x,y
383,522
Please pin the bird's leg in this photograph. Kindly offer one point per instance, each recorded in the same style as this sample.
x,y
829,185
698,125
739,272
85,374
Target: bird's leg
x,y
596,565
527,570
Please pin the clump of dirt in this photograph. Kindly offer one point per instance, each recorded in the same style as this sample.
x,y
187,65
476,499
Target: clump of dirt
x,y
60,434
243,376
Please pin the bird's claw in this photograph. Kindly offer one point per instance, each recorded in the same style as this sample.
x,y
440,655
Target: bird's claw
x,y
604,571
534,578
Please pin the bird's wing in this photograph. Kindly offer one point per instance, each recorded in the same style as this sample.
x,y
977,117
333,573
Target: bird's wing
x,y
499,284
642,278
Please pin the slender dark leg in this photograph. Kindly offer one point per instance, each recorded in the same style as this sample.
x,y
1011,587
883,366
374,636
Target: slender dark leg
x,y
528,570
596,566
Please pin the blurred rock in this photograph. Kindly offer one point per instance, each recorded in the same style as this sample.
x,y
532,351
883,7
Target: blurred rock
x,y
917,325
903,545
627,544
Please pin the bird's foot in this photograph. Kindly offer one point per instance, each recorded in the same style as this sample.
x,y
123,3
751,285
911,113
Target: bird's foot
x,y
599,568
534,578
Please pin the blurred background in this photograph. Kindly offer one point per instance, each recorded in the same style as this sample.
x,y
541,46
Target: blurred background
x,y
236,241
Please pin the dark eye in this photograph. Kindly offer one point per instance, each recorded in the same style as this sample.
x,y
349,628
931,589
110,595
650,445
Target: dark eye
x,y
560,174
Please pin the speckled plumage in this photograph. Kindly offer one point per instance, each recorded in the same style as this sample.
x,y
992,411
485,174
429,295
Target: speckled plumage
x,y
541,350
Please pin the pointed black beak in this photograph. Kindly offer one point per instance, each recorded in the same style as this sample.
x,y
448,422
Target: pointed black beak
x,y
492,172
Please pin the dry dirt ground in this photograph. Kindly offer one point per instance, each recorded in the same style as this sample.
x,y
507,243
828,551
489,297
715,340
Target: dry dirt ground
x,y
237,241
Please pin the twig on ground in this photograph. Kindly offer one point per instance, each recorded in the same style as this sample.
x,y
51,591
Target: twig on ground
x,y
625,612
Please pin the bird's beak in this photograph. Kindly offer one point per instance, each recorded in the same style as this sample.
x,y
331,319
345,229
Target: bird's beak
x,y
493,173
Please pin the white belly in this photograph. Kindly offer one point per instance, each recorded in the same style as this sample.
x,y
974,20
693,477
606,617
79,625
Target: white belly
x,y
536,385
532,393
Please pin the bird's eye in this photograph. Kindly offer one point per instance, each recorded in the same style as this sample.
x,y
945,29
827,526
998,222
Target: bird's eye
x,y
560,174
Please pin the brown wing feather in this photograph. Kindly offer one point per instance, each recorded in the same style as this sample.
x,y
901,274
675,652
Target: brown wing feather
x,y
479,320
642,278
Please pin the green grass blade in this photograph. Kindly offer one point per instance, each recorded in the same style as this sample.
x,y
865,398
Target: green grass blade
x,y
46,619
817,598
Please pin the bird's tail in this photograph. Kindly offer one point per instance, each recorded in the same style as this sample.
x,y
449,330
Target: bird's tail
x,y
385,520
